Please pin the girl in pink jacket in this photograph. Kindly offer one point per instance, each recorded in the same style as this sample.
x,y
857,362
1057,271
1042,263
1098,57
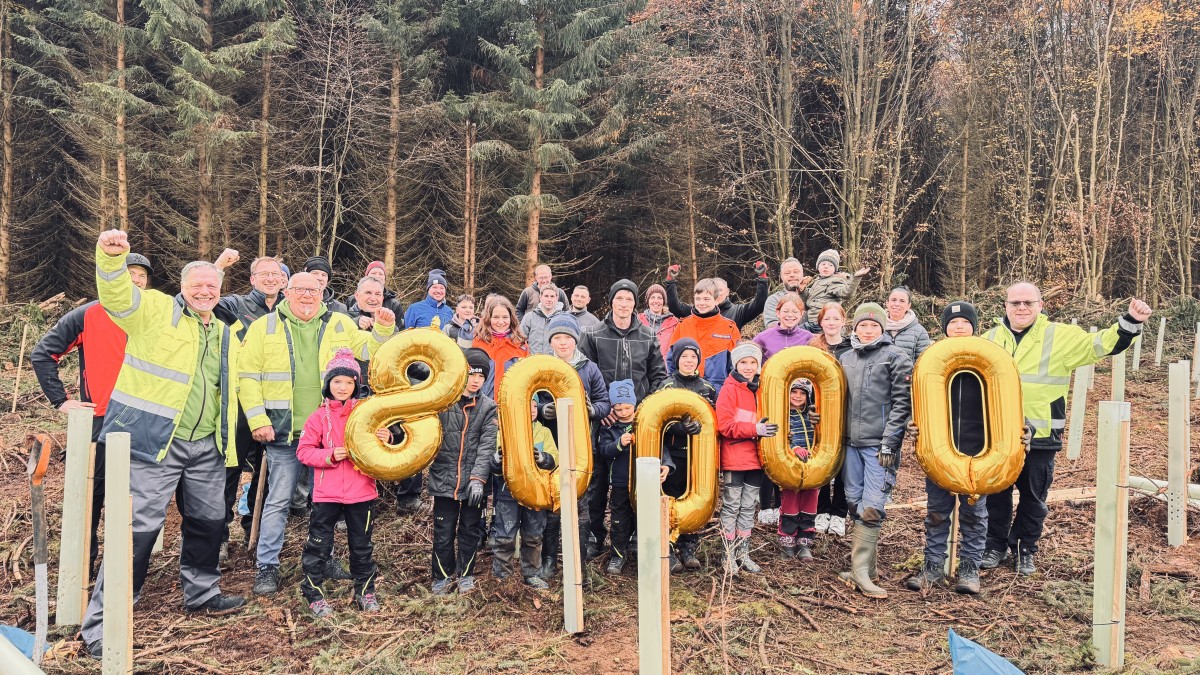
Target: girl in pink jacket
x,y
340,490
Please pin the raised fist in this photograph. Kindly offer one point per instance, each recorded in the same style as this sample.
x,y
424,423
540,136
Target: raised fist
x,y
672,272
228,258
113,242
385,317
1139,310
760,268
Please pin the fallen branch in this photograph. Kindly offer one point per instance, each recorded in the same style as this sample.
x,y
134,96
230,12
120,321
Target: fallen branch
x,y
171,646
792,606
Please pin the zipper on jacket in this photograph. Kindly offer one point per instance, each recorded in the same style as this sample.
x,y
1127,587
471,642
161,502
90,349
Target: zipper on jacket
x,y
203,399
462,443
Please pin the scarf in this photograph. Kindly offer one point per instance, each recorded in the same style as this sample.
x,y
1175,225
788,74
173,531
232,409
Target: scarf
x,y
903,323
751,384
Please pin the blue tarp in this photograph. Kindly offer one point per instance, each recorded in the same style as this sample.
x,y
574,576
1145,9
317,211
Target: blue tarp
x,y
970,658
20,639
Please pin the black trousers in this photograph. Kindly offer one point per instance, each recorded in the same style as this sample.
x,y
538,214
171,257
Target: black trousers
x,y
676,485
769,495
97,495
597,497
621,520
1025,529
832,500
455,523
318,550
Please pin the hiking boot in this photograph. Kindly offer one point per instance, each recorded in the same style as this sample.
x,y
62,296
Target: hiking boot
x,y
862,559
929,577
837,526
219,604
266,581
992,559
320,609
822,522
367,602
466,584
687,555
409,504
1025,566
336,571
968,578
592,551
804,550
615,564
743,558
443,587
95,649
537,583
673,563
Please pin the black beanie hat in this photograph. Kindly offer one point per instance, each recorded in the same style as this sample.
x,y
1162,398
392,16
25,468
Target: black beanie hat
x,y
960,309
318,262
622,285
478,361
677,350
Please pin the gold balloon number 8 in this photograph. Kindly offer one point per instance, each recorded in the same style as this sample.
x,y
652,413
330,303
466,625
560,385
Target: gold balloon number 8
x,y
414,406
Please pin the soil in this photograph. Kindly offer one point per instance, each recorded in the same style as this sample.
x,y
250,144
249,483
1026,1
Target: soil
x,y
790,618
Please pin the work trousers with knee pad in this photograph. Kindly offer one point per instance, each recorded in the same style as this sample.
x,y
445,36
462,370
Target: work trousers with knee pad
x,y
509,520
318,550
457,535
1025,529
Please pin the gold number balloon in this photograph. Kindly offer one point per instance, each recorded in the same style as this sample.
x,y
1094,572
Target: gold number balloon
x,y
533,487
691,511
999,464
826,455
414,406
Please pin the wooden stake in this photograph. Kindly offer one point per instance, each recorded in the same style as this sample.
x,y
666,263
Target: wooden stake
x,y
1158,349
118,558
74,550
1118,377
1137,352
1078,408
1178,454
654,581
569,516
950,567
252,544
1091,383
21,364
1112,534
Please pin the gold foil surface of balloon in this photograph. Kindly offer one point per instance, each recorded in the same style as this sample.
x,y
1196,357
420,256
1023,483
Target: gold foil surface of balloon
x,y
829,383
691,511
533,487
414,406
999,463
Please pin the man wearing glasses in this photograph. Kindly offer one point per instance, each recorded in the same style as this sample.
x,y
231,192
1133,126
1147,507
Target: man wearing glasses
x,y
1046,352
280,369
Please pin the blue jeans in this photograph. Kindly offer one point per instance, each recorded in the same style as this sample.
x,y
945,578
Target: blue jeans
x,y
868,485
972,524
283,471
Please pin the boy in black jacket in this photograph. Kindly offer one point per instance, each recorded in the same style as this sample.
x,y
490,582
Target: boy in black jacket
x,y
959,319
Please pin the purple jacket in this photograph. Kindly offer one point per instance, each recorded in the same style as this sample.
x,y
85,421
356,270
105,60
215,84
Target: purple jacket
x,y
777,338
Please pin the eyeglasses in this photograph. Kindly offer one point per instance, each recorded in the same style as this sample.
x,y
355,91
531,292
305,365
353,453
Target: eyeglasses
x,y
1022,303
269,275
305,291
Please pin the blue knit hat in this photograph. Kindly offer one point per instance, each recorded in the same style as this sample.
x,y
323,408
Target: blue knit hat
x,y
622,391
565,324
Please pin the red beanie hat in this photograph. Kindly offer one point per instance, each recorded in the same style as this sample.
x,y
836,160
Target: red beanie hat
x,y
372,265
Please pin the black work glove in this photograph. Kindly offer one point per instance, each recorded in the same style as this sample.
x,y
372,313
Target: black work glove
x,y
475,494
888,458
689,426
543,460
548,411
765,429
672,272
760,268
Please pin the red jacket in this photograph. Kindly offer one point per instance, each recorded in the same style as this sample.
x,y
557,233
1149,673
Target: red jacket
x,y
101,353
737,415
339,482
503,352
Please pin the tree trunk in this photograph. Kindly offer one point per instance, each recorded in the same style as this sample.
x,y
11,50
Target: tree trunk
x,y
122,172
469,219
6,191
393,211
691,209
205,204
535,185
264,134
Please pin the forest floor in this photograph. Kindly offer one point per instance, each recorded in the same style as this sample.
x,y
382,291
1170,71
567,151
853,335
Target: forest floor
x,y
790,618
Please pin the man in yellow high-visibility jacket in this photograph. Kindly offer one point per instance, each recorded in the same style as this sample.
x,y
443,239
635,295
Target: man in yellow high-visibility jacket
x,y
176,396
1046,352
282,369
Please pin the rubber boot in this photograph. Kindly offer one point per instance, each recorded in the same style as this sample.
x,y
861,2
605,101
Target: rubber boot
x,y
862,558
550,548
743,557
787,546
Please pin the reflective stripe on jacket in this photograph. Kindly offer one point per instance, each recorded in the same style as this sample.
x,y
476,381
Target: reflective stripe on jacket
x,y
161,352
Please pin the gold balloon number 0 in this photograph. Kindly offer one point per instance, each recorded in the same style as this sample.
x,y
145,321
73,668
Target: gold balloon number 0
x,y
533,487
825,456
999,464
691,511
414,406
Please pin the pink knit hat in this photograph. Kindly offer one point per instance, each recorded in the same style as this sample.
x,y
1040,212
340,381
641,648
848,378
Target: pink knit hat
x,y
372,265
342,363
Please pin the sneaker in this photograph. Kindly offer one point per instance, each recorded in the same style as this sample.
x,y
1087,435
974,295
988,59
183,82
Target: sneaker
x,y
336,571
537,583
968,578
320,609
1025,566
219,604
223,555
615,564
768,517
466,584
443,587
822,524
96,649
992,559
837,526
367,602
266,581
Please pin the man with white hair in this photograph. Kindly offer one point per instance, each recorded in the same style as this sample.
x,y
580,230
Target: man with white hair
x,y
533,294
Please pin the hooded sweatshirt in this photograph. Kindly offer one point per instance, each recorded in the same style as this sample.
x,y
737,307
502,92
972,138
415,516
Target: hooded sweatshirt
x,y
306,388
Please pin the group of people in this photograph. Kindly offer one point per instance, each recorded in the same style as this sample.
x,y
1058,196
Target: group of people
x,y
210,386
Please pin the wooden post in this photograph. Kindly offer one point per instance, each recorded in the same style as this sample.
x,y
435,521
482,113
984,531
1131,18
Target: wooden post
x,y
654,580
1078,408
1137,352
1158,349
1112,534
1118,377
950,567
21,365
118,558
1091,383
569,516
1178,454
74,550
252,544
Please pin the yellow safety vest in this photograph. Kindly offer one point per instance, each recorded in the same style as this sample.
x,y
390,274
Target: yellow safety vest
x,y
160,361
1045,357
267,366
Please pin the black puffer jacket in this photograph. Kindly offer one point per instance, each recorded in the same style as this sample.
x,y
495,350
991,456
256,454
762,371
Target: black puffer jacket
x,y
468,441
879,388
676,439
625,354
741,314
